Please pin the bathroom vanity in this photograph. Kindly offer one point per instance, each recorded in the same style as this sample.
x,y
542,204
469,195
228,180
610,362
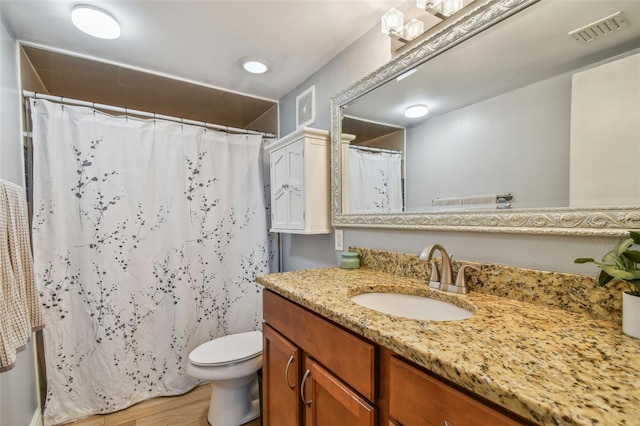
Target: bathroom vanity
x,y
328,360
347,380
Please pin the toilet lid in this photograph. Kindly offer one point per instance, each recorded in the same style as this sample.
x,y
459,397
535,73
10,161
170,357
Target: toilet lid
x,y
228,349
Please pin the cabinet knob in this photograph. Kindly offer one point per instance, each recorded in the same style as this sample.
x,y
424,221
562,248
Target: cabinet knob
x,y
304,379
286,374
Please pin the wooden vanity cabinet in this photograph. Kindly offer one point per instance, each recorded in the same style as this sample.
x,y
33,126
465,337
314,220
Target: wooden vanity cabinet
x,y
317,374
419,399
336,378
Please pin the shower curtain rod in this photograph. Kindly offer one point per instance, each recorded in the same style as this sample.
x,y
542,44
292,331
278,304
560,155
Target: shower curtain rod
x,y
69,101
367,148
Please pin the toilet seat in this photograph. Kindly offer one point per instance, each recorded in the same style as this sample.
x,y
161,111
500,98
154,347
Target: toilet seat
x,y
230,349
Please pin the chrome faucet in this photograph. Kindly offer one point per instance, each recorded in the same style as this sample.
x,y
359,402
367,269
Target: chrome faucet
x,y
437,279
444,281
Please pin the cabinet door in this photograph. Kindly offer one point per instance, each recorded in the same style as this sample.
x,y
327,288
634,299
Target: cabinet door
x,y
295,184
328,401
417,399
280,380
279,192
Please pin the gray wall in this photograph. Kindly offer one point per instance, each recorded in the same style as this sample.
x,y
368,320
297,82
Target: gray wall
x,y
18,387
495,146
554,253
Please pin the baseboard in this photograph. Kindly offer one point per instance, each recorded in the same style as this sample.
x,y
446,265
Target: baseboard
x,y
37,418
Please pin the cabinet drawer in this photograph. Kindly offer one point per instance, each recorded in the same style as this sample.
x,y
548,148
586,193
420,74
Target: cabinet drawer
x,y
348,357
417,399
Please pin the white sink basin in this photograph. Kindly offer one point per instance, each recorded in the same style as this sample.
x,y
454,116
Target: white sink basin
x,y
409,306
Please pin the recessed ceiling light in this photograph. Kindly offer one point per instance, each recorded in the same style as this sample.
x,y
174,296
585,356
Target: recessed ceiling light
x,y
415,111
255,65
95,22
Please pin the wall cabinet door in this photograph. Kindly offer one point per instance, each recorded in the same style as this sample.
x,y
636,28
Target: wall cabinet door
x,y
295,185
280,380
279,202
328,401
287,180
417,399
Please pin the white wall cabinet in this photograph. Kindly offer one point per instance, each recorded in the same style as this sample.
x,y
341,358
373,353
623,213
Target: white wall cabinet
x,y
299,168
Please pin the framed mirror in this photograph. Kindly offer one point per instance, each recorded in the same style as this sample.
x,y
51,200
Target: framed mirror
x,y
533,125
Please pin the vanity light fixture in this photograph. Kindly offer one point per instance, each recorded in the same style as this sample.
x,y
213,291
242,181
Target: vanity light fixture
x,y
413,29
416,111
95,22
392,22
255,65
440,8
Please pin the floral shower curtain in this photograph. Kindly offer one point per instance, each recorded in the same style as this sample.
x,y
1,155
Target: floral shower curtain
x,y
375,181
147,238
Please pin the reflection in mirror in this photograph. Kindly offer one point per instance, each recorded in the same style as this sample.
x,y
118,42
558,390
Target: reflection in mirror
x,y
543,106
373,167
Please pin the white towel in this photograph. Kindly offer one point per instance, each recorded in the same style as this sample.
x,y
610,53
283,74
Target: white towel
x,y
490,206
20,310
466,200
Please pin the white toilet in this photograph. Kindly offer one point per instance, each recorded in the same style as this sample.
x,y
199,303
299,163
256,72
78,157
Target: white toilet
x,y
231,364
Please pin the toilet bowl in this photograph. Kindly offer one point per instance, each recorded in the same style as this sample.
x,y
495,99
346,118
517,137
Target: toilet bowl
x,y
231,364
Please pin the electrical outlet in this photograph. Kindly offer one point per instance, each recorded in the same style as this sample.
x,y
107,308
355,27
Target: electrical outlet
x,y
339,240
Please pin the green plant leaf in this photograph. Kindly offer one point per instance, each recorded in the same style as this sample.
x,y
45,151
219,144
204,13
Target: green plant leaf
x,y
635,236
617,272
584,260
603,279
632,255
609,258
623,245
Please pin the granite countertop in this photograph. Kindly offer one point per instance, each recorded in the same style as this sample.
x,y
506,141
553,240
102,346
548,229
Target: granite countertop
x,y
547,365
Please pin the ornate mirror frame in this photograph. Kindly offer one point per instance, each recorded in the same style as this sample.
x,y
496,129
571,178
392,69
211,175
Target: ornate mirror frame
x,y
608,221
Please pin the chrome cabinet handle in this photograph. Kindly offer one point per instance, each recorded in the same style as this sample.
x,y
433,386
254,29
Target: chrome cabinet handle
x,y
286,374
446,423
304,379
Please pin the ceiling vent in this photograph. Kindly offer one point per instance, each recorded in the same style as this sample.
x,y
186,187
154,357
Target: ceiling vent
x,y
306,107
600,28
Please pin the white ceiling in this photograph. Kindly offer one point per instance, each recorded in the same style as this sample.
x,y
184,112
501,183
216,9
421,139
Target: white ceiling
x,y
203,40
